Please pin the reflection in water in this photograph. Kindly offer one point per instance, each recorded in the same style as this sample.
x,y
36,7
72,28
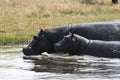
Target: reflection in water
x,y
83,65
58,65
55,66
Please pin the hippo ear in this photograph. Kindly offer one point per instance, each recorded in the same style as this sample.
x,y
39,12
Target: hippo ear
x,y
41,32
72,35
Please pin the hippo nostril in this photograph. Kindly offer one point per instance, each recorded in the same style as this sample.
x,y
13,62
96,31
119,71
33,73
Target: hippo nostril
x,y
29,52
26,51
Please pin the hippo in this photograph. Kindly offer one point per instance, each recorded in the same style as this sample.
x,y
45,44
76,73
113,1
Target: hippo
x,y
78,45
45,39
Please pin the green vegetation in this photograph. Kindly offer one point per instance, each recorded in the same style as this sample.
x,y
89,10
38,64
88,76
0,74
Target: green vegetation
x,y
21,19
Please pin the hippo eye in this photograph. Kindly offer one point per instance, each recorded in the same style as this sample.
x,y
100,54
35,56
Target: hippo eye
x,y
35,38
67,38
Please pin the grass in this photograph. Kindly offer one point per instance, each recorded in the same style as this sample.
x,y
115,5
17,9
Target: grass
x,y
21,19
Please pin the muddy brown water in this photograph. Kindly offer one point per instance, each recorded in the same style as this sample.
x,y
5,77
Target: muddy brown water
x,y
55,67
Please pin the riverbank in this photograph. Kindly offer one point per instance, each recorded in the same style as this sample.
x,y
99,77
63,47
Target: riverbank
x,y
21,19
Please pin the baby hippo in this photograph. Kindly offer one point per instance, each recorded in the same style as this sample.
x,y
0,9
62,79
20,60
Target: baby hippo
x,y
77,45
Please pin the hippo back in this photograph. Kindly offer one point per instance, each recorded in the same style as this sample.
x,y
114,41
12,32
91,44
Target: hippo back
x,y
56,34
99,48
108,30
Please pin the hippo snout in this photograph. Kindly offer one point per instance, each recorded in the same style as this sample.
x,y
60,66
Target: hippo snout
x,y
27,51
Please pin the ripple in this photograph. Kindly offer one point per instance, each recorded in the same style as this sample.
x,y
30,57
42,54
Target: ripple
x,y
56,67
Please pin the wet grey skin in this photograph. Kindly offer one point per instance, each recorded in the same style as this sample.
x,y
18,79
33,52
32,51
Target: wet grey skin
x,y
77,45
46,38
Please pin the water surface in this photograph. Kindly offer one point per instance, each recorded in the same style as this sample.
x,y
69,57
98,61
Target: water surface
x,y
57,67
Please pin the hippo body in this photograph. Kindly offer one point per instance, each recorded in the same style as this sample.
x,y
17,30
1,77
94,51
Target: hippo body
x,y
77,45
108,31
110,49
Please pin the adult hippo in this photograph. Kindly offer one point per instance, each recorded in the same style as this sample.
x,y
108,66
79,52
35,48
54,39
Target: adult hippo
x,y
43,42
77,45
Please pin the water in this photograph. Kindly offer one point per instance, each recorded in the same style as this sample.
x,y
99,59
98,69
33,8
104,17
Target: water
x,y
55,67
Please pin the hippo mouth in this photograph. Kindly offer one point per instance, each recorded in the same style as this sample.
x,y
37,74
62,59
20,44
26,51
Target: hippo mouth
x,y
29,51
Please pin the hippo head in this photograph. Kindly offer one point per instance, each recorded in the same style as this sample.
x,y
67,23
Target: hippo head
x,y
71,44
38,45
